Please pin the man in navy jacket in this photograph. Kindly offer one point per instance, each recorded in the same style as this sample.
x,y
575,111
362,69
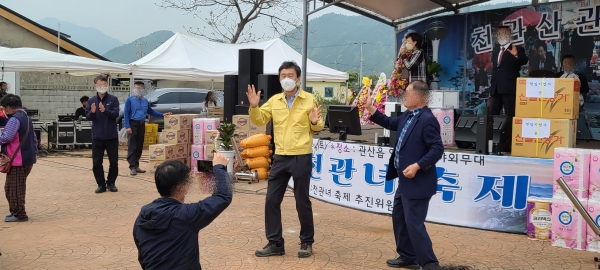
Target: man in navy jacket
x,y
103,110
418,149
166,230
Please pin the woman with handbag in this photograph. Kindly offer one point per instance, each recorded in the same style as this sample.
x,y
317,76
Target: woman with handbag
x,y
19,154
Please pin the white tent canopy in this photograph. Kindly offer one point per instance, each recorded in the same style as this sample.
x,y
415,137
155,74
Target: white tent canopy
x,y
397,11
188,58
33,59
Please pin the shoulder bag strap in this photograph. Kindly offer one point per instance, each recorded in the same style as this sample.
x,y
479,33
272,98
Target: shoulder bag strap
x,y
21,143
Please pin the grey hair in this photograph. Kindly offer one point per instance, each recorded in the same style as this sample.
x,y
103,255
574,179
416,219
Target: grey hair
x,y
422,88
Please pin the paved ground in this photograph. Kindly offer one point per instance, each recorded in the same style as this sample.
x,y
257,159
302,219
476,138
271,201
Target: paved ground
x,y
70,227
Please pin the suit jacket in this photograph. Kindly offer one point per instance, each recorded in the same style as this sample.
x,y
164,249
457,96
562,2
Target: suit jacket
x,y
422,144
584,88
505,74
549,64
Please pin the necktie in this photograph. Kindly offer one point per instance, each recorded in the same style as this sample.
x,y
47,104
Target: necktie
x,y
501,54
397,150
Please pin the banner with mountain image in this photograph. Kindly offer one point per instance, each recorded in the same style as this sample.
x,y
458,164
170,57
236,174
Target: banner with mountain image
x,y
546,31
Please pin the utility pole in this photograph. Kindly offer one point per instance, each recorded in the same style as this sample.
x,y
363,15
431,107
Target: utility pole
x,y
140,52
361,63
59,38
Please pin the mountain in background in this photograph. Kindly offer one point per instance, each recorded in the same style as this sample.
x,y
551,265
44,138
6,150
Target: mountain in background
x,y
135,50
334,41
89,37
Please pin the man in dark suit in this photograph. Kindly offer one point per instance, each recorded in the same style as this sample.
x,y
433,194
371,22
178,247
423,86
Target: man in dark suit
x,y
418,149
507,60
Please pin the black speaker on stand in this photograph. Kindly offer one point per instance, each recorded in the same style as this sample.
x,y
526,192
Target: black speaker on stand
x,y
485,133
231,97
250,65
269,86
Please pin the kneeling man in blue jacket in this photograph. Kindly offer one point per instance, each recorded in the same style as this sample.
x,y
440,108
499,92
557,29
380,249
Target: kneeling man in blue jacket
x,y
166,230
418,149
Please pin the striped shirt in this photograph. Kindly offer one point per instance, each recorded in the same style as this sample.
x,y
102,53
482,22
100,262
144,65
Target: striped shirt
x,y
416,66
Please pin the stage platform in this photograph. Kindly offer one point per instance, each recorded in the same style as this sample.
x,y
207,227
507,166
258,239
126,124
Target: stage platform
x,y
368,138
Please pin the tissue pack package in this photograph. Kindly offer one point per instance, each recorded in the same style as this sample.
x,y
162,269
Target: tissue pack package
x,y
593,241
539,219
572,165
197,153
594,189
198,131
568,227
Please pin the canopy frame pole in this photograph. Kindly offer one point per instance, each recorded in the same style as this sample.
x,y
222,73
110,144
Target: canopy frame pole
x,y
305,4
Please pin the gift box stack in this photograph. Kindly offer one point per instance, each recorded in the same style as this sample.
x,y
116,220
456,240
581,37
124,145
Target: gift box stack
x,y
257,154
204,135
580,169
545,117
151,135
175,141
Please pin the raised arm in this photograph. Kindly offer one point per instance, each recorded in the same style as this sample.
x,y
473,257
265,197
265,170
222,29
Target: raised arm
x,y
202,213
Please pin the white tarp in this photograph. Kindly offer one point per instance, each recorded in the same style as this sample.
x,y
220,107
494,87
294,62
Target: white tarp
x,y
188,58
33,59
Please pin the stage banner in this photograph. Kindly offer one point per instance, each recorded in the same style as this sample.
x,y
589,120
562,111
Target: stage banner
x,y
485,192
547,32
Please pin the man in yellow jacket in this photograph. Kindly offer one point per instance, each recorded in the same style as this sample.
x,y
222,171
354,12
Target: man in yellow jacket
x,y
296,115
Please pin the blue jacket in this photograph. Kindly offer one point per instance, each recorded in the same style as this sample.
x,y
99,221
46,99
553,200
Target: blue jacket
x,y
166,230
422,144
104,124
136,109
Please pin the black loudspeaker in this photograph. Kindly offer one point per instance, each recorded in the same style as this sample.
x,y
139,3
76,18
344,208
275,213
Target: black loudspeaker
x,y
250,65
393,133
231,97
269,86
485,129
241,109
465,131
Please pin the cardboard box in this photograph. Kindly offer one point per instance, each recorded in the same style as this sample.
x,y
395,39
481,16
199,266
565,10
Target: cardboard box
x,y
241,134
182,150
179,121
562,133
162,151
562,102
175,136
241,122
208,152
211,136
153,164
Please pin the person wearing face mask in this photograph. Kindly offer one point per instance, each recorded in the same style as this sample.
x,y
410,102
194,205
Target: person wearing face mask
x,y
413,58
166,230
134,115
103,110
507,60
296,114
568,64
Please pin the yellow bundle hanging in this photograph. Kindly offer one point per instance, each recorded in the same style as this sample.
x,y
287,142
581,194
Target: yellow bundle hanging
x,y
263,173
259,162
256,141
260,151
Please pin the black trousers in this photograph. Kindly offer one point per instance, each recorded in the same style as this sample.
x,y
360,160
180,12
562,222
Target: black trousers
x,y
508,102
413,243
282,169
112,150
135,143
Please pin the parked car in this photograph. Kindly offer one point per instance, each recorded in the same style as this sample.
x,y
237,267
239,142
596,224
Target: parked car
x,y
176,101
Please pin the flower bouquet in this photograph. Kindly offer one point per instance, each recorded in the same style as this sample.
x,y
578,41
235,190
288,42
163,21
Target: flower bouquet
x,y
359,101
397,84
379,95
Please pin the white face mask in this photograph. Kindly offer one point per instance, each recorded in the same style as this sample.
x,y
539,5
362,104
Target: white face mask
x,y
102,90
408,46
288,84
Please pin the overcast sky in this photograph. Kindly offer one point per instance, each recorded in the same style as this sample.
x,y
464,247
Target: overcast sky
x,y
125,20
